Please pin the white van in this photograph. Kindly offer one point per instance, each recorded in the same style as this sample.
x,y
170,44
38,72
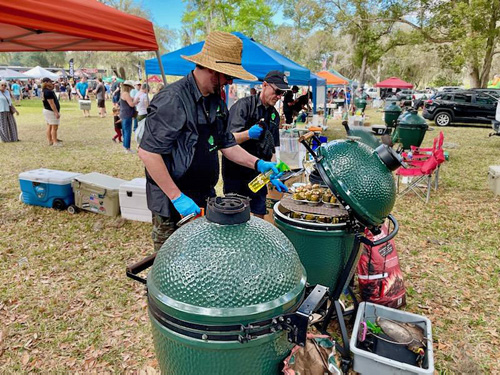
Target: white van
x,y
372,92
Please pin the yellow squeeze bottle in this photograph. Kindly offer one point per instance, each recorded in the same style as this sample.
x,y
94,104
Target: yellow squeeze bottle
x,y
263,179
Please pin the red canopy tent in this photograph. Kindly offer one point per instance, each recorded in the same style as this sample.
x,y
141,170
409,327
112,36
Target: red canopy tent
x,y
154,79
394,83
72,25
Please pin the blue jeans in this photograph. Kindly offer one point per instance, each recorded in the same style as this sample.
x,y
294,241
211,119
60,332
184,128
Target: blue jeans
x,y
135,123
127,131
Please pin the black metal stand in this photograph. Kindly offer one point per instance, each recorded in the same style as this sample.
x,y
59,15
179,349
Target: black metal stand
x,y
343,284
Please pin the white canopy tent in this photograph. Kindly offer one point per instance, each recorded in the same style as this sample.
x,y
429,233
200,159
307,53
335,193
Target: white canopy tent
x,y
39,73
12,74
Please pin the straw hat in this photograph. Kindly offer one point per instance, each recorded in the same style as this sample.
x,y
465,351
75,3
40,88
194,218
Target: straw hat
x,y
222,52
128,82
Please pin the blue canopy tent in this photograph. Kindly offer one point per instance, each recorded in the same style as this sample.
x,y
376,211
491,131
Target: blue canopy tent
x,y
257,59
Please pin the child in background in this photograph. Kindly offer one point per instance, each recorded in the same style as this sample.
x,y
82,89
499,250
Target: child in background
x,y
117,121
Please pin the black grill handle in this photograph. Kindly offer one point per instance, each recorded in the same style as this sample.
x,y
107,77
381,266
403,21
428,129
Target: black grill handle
x,y
140,266
304,139
389,237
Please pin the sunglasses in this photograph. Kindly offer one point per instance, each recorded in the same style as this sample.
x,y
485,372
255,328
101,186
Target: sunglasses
x,y
277,91
229,78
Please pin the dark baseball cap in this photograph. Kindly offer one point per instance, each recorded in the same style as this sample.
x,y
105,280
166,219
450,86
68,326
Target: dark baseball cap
x,y
46,79
277,78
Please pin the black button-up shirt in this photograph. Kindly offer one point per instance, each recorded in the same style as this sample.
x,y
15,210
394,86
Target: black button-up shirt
x,y
172,130
245,113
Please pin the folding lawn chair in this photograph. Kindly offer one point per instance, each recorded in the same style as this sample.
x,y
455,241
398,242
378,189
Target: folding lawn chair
x,y
419,178
420,154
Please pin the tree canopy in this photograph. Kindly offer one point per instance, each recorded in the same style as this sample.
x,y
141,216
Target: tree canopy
x,y
421,41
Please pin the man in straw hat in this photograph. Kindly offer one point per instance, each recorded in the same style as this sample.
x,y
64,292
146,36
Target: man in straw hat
x,y
254,123
185,127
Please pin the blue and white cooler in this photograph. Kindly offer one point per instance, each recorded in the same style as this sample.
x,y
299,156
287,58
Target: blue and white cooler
x,y
47,188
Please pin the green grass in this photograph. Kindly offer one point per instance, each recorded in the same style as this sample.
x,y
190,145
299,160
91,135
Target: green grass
x,y
70,308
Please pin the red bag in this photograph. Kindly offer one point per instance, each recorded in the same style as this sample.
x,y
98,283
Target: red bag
x,y
379,275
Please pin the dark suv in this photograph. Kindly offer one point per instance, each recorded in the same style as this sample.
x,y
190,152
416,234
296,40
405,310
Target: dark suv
x,y
461,106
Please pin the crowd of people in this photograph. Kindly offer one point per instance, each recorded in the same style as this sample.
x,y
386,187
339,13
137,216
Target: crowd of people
x,y
130,101
184,127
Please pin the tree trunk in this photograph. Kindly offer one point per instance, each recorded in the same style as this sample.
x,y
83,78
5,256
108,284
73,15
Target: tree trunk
x,y
475,81
490,45
362,73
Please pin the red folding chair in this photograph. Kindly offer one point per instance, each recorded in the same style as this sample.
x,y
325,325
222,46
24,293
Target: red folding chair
x,y
420,154
419,178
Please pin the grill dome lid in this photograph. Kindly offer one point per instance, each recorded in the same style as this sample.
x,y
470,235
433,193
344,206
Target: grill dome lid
x,y
207,272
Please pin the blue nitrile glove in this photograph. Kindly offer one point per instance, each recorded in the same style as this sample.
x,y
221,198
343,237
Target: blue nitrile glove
x,y
264,166
255,132
185,205
280,186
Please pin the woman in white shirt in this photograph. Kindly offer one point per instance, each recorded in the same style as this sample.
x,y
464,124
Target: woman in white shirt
x,y
141,101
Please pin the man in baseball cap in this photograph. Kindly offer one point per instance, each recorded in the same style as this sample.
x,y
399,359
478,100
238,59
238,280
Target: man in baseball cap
x,y
254,122
185,127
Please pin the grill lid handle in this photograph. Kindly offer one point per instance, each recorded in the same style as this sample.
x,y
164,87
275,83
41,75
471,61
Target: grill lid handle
x,y
229,210
389,157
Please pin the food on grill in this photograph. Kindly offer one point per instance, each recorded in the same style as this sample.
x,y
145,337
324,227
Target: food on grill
x,y
333,199
314,198
310,217
296,215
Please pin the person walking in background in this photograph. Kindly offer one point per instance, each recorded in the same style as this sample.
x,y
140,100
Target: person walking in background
x,y
108,90
127,110
101,98
288,102
72,91
117,122
141,101
133,93
8,126
35,89
51,111
63,91
115,92
27,90
82,90
16,92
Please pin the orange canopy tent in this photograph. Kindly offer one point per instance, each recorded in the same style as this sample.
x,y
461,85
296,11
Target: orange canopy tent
x,y
332,79
71,25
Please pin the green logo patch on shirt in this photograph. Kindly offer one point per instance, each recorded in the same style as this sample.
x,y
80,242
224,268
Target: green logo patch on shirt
x,y
211,142
273,116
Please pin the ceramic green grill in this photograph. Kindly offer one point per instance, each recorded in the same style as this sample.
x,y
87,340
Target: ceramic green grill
x,y
410,130
222,292
360,177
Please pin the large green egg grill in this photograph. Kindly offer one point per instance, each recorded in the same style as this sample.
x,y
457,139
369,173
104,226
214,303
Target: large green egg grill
x,y
360,177
391,113
410,130
214,290
323,248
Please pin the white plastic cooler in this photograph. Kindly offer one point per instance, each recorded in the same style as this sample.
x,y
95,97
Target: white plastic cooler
x,y
133,202
494,178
